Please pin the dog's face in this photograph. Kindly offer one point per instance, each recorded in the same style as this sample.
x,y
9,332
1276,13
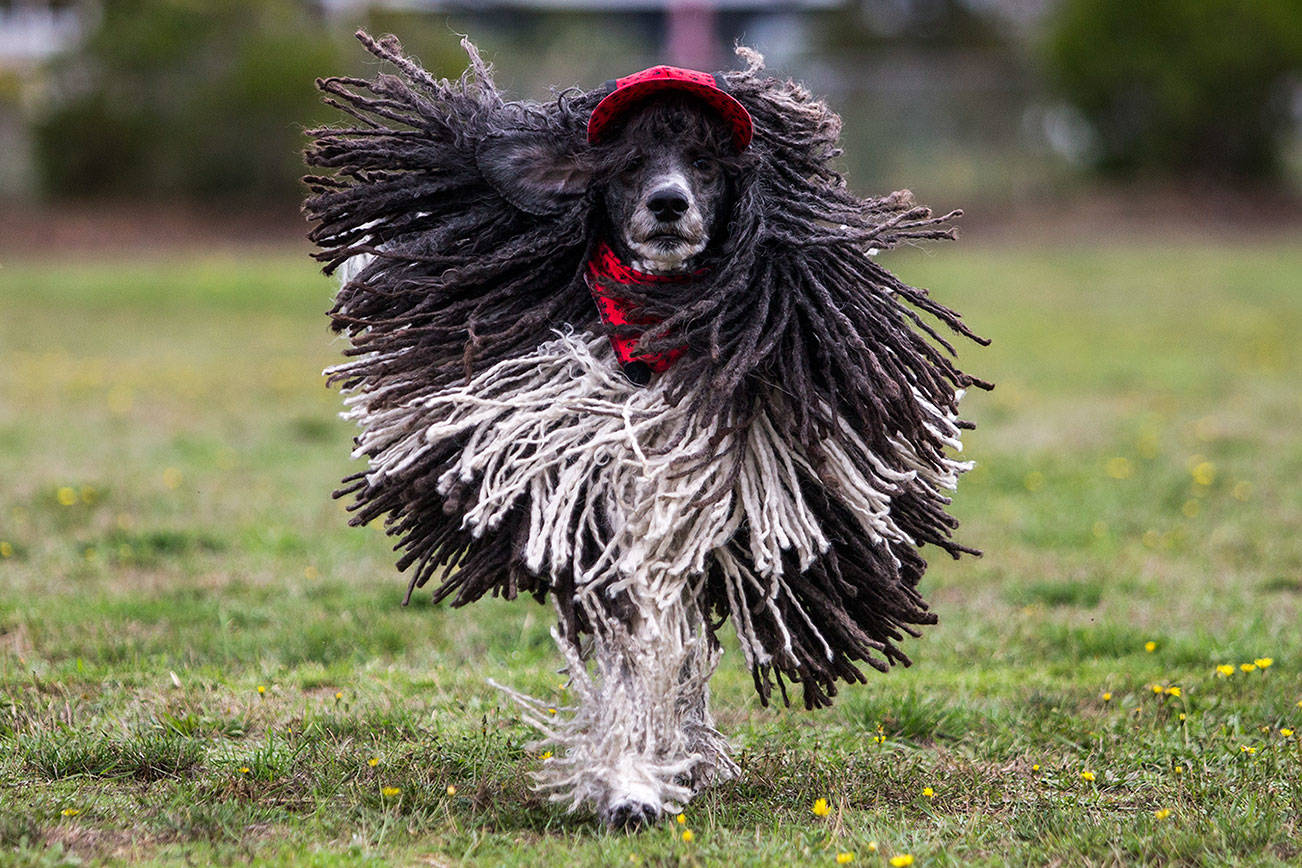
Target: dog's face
x,y
666,184
665,180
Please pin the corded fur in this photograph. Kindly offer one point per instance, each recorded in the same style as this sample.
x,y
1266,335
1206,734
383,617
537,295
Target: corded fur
x,y
791,325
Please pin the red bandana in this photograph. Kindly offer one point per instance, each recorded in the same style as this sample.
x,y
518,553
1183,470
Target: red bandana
x,y
605,268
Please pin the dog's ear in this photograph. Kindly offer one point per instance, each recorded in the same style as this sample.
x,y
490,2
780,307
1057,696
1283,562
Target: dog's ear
x,y
535,172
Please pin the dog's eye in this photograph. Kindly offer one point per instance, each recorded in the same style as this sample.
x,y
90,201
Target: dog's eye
x,y
634,163
703,164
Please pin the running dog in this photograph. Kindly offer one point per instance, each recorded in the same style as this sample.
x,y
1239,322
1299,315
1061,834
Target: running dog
x,y
631,352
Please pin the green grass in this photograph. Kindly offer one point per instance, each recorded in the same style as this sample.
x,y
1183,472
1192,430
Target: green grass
x,y
169,549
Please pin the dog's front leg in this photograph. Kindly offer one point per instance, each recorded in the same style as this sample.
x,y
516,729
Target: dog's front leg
x,y
638,741
633,738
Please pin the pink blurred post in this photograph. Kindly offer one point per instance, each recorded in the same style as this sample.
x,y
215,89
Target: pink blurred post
x,y
689,34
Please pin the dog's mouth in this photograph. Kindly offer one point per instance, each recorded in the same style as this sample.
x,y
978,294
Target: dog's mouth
x,y
664,252
670,241
666,239
664,248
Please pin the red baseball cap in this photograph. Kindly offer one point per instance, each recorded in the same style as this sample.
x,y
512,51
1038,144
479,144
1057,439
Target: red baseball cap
x,y
632,89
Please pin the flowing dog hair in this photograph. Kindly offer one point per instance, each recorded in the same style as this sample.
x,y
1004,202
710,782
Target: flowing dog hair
x,y
783,474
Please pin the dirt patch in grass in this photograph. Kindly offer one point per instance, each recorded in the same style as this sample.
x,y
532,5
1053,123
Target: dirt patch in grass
x,y
95,843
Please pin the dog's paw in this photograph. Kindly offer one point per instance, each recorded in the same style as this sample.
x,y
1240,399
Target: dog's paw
x,y
631,816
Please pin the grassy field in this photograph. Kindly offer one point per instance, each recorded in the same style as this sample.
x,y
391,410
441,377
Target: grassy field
x,y
200,662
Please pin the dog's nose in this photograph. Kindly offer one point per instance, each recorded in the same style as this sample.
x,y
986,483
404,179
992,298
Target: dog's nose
x,y
667,203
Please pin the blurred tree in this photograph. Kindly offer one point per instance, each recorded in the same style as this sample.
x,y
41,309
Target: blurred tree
x,y
181,98
931,23
1198,87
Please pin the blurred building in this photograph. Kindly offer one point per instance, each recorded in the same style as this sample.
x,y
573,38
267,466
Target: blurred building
x,y
31,32
935,93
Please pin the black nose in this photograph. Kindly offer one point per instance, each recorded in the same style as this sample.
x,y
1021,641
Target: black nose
x,y
667,204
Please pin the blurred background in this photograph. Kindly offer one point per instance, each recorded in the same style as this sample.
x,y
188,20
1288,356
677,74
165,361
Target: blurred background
x,y
143,120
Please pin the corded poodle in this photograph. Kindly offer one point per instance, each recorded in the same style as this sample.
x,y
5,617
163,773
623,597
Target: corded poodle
x,y
629,350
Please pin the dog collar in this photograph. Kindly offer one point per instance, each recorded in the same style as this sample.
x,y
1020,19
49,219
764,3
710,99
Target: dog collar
x,y
605,270
624,93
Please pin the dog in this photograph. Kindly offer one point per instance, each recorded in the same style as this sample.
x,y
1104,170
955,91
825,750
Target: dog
x,y
630,352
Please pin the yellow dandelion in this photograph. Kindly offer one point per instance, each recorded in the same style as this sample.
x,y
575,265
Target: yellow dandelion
x,y
1179,770
901,860
70,812
546,755
821,808
1157,688
1173,691
1204,473
310,572
682,819
872,846
1248,750
1119,468
6,549
1287,733
879,739
1263,662
66,495
1182,715
929,792
688,836
244,770
452,790
1299,703
1107,697
844,858
1150,647
1087,775
339,694
1227,670
1035,767
551,711
1247,667
1162,813
389,792
373,761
